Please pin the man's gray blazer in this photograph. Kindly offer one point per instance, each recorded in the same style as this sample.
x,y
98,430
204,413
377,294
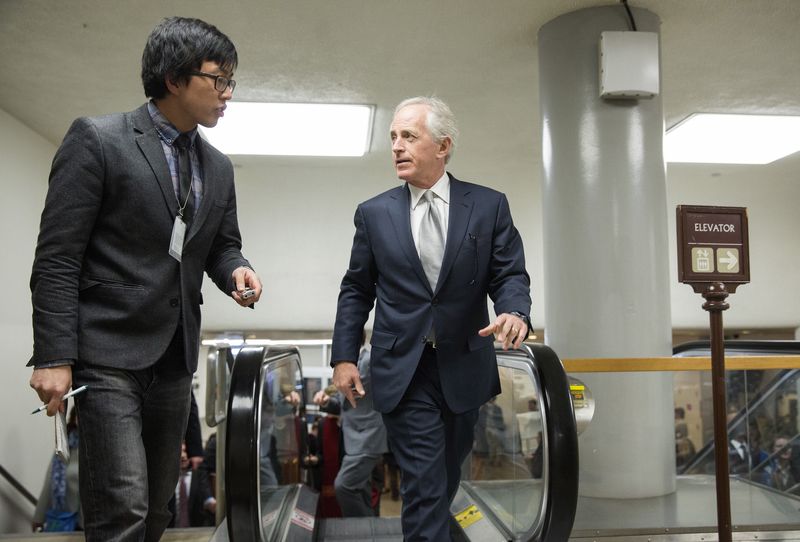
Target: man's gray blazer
x,y
105,290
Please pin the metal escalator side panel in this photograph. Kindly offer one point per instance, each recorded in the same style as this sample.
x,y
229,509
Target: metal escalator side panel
x,y
218,367
298,517
562,445
475,519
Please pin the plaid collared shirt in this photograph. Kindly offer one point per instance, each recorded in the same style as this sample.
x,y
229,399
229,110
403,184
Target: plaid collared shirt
x,y
168,133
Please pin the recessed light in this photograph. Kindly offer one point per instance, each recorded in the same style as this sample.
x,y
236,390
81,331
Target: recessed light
x,y
732,139
293,129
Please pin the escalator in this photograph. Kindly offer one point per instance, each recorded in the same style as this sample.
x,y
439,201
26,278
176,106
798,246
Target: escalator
x,y
520,483
762,405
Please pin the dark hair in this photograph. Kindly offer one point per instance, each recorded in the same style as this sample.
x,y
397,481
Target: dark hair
x,y
179,45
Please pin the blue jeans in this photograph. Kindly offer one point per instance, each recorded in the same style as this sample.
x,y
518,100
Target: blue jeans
x,y
131,426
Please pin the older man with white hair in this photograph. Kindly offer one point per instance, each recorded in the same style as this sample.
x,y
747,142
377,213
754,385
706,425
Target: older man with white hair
x,y
427,253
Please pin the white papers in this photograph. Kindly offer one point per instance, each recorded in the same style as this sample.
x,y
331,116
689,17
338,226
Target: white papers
x,y
62,442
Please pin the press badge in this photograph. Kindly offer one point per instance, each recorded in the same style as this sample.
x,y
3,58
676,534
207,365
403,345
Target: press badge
x,y
176,241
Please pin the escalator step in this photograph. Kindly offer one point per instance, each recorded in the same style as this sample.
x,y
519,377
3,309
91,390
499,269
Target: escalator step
x,y
361,529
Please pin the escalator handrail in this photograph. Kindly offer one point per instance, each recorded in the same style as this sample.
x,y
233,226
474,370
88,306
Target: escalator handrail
x,y
738,345
242,485
561,484
702,348
16,484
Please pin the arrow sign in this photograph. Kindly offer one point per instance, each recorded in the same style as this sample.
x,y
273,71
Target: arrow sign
x,y
729,259
712,246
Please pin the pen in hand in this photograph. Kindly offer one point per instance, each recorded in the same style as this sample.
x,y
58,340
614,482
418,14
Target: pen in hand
x,y
66,396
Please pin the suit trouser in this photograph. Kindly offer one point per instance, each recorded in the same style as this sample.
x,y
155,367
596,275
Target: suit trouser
x,y
353,485
430,443
131,425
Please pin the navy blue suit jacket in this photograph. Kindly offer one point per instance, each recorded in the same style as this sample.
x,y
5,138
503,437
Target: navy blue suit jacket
x,y
483,255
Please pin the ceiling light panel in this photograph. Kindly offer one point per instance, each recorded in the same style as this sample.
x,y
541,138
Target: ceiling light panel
x,y
732,139
292,129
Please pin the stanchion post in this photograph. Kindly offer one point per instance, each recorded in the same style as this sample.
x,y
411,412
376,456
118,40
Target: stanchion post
x,y
715,295
713,258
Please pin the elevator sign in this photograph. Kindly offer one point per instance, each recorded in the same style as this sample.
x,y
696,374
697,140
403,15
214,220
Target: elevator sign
x,y
712,246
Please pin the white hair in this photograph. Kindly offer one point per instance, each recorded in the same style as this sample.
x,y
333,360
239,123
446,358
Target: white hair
x,y
440,120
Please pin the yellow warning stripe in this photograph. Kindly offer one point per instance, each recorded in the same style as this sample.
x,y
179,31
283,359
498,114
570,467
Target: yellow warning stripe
x,y
468,516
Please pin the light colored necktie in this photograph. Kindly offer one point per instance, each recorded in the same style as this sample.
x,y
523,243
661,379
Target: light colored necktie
x,y
431,240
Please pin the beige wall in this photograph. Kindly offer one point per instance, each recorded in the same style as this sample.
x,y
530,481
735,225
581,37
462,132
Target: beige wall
x,y
26,442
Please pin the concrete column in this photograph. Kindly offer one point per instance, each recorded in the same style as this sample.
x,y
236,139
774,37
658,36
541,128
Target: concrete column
x,y
606,256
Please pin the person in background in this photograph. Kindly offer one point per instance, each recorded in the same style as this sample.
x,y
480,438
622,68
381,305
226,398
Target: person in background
x,y
138,208
778,472
495,431
193,437
59,504
210,462
193,504
426,254
364,437
311,461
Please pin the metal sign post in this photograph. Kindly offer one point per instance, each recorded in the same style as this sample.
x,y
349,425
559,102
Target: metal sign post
x,y
713,257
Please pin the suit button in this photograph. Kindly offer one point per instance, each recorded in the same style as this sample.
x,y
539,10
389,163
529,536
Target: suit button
x,y
174,302
435,301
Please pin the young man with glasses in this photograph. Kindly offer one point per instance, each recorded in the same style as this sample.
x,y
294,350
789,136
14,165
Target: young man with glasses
x,y
138,208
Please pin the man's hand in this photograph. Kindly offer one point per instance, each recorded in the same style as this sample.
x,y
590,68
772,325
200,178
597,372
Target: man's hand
x,y
508,329
196,461
321,398
51,384
244,278
293,398
346,378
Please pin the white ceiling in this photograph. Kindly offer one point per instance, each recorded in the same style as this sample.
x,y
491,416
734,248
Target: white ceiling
x,y
67,58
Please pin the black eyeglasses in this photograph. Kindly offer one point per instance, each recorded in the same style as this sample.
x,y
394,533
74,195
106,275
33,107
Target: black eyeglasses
x,y
221,83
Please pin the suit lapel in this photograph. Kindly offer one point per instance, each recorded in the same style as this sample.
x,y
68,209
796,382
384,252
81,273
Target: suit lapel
x,y
460,211
399,209
149,143
209,173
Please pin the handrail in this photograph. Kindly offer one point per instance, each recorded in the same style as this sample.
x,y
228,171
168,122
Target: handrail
x,y
562,444
17,485
699,363
560,441
242,482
